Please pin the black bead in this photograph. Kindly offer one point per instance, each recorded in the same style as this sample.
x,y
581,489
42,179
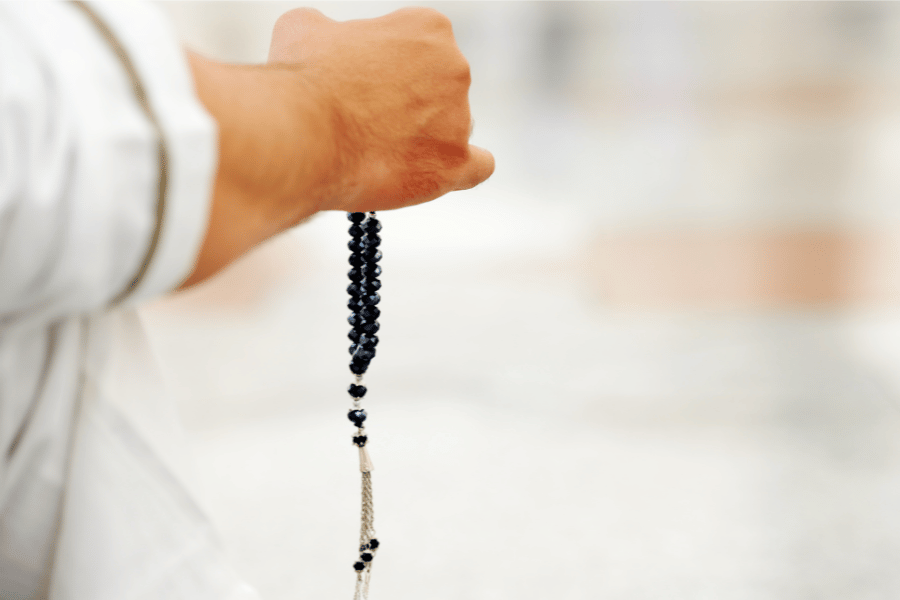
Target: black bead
x,y
368,341
355,290
366,355
357,416
357,322
355,304
357,260
355,274
371,240
357,391
355,335
370,270
369,327
369,313
373,543
353,348
371,285
364,547
371,226
356,231
360,440
359,566
358,366
356,245
372,254
366,556
370,299
356,217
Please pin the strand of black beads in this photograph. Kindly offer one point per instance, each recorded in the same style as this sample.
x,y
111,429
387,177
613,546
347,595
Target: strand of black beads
x,y
363,319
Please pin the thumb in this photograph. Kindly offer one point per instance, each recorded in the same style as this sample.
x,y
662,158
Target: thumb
x,y
479,167
291,30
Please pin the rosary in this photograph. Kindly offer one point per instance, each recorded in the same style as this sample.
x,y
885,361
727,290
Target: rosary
x,y
363,290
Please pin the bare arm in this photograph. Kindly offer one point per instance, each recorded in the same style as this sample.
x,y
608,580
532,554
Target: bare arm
x,y
361,115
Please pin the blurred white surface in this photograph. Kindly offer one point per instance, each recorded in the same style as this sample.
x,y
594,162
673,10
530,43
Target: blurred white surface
x,y
527,442
530,443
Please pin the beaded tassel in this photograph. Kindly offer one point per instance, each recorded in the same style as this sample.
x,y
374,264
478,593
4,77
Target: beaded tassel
x,y
363,288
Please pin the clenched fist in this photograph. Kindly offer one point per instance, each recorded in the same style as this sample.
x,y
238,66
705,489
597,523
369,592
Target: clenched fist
x,y
397,88
362,115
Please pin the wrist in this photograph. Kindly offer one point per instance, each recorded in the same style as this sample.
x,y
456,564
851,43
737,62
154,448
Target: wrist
x,y
276,156
275,142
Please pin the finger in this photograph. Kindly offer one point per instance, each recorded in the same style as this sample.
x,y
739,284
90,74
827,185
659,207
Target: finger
x,y
292,27
479,167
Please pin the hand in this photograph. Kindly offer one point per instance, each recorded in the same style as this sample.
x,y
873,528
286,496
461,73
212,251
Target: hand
x,y
395,89
364,115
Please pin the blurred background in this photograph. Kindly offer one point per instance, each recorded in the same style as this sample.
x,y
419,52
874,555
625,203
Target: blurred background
x,y
655,356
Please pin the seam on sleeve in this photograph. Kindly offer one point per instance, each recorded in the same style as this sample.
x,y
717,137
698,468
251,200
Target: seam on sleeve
x,y
162,149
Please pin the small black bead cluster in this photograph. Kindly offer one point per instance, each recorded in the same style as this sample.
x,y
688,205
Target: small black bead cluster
x,y
364,298
366,554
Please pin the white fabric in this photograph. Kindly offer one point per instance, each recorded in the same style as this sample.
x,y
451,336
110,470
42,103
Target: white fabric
x,y
94,496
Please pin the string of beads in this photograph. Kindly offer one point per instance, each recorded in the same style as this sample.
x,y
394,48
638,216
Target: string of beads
x,y
363,319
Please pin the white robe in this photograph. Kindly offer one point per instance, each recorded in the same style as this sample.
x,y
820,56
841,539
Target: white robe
x,y
95,502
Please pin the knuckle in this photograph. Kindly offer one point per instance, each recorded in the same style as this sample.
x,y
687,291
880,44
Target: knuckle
x,y
461,131
458,73
298,17
464,71
439,20
308,12
283,22
430,16
290,17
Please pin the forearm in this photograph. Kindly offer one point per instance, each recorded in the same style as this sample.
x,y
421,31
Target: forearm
x,y
276,157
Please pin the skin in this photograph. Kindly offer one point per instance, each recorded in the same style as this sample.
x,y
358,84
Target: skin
x,y
360,115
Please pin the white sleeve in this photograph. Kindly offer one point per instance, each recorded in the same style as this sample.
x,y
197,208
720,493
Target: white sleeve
x,y
106,159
